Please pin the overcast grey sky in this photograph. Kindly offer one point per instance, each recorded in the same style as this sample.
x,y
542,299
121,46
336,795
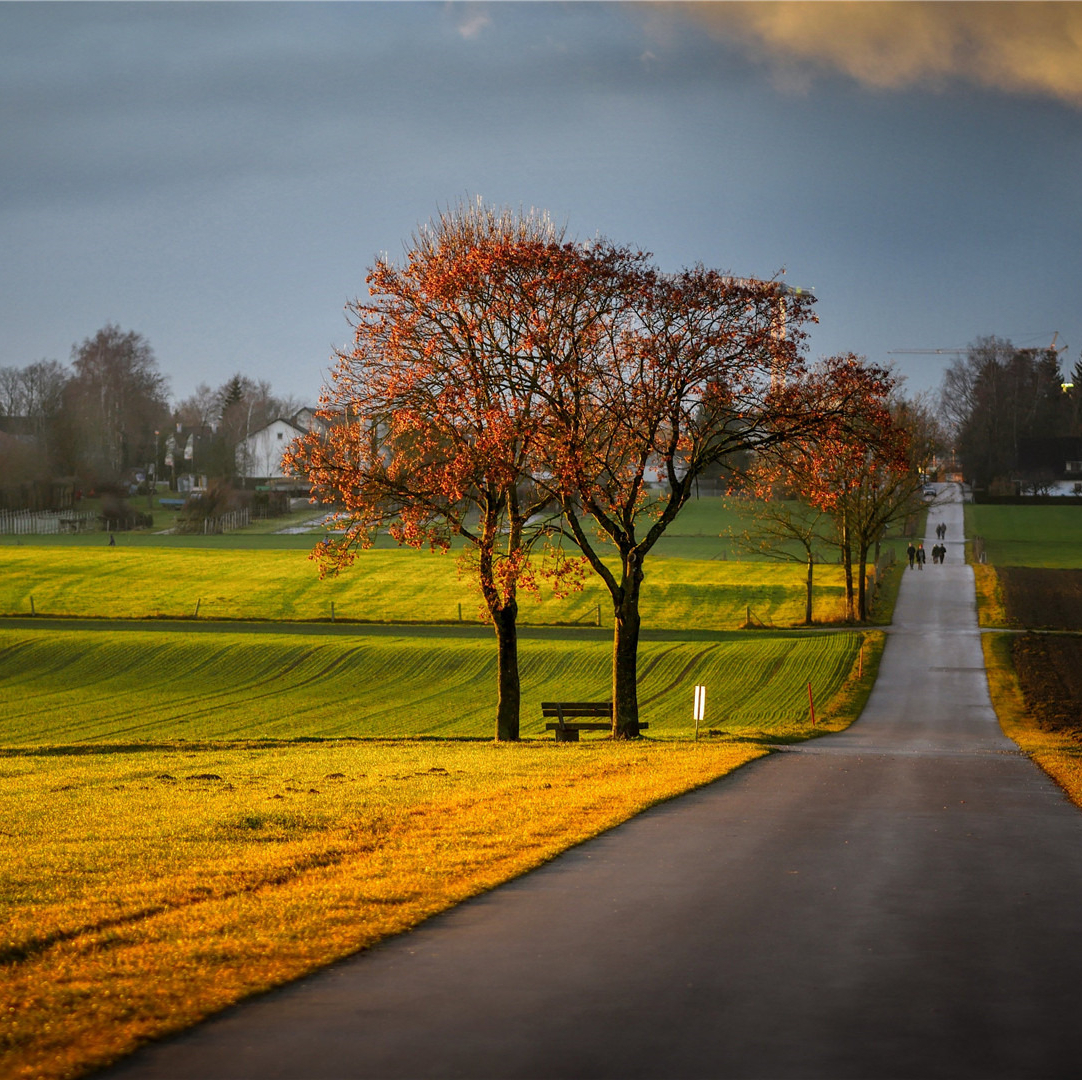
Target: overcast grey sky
x,y
218,177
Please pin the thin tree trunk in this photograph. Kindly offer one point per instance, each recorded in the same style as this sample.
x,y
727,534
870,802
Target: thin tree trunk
x,y
862,587
847,564
862,606
808,594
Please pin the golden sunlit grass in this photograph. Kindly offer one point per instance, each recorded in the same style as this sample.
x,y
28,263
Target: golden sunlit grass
x,y
144,889
990,608
1058,753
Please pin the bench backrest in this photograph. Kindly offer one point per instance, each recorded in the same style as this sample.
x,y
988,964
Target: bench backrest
x,y
576,708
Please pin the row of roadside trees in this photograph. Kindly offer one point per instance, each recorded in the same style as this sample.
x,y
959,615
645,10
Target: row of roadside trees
x,y
846,496
553,402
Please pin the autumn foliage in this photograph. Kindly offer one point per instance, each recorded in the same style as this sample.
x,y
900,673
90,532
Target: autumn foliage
x,y
517,389
858,470
439,418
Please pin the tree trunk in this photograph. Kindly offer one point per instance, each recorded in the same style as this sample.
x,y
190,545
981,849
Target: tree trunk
x,y
625,654
808,594
862,594
847,564
862,584
509,689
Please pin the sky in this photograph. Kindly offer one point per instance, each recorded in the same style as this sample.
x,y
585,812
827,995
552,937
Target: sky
x,y
219,177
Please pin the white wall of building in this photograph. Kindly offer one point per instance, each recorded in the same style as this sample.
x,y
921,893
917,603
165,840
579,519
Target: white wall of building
x,y
260,455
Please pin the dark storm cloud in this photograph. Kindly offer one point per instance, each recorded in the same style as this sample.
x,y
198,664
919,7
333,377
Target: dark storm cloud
x,y
218,176
107,100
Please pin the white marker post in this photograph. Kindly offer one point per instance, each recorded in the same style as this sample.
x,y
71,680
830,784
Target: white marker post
x,y
700,707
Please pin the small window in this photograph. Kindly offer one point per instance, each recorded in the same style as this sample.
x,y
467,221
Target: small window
x,y
1074,466
280,434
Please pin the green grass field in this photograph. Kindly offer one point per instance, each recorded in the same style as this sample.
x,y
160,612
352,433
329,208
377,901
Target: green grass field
x,y
395,586
1049,536
113,687
704,530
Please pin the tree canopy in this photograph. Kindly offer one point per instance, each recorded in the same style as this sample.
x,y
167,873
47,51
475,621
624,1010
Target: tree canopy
x,y
512,388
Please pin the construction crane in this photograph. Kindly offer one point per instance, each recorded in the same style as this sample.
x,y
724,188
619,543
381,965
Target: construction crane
x,y
925,352
1053,348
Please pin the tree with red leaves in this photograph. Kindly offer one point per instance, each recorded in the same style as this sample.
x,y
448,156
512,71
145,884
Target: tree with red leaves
x,y
860,470
696,369
437,411
503,378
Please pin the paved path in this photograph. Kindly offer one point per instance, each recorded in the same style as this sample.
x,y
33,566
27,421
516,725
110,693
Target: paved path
x,y
899,900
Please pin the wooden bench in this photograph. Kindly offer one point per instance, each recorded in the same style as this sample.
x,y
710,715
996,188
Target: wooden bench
x,y
567,713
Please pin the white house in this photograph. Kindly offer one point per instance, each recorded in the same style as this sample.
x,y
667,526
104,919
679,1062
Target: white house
x,y
259,456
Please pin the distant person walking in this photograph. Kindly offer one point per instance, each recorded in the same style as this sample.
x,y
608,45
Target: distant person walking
x,y
911,551
112,540
920,556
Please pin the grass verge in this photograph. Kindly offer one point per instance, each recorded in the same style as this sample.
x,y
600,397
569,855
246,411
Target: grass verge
x,y
146,889
991,610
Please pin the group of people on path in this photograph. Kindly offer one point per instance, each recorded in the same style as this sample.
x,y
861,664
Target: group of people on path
x,y
916,555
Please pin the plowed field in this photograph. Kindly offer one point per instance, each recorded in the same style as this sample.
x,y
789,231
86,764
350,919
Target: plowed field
x,y
1050,673
1049,666
1042,599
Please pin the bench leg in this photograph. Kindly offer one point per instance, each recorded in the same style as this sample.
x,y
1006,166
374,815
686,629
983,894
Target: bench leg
x,y
567,734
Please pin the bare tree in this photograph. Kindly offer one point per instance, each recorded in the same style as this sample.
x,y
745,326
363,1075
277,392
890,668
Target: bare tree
x,y
784,529
200,410
11,392
114,402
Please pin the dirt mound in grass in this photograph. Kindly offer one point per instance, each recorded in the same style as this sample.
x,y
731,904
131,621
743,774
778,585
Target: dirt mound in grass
x,y
1042,599
1050,674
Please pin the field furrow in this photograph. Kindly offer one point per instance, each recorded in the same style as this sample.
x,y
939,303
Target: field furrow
x,y
101,686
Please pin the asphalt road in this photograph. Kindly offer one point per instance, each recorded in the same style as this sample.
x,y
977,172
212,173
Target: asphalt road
x,y
899,900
